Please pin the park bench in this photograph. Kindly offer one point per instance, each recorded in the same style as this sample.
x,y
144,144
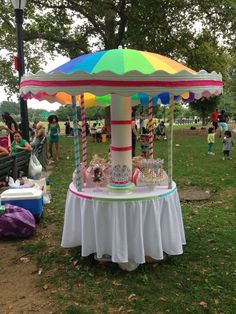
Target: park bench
x,y
21,164
14,164
17,165
41,153
6,167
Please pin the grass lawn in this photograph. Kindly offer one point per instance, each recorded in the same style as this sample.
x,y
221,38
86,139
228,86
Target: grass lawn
x,y
202,280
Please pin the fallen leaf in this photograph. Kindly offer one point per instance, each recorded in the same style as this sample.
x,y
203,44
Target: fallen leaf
x,y
211,241
203,304
79,285
162,299
75,262
130,311
45,287
120,308
116,283
24,260
132,297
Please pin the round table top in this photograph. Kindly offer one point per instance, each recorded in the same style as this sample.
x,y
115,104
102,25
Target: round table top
x,y
137,194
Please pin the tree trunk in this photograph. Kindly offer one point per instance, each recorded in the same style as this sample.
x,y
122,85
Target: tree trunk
x,y
204,120
107,117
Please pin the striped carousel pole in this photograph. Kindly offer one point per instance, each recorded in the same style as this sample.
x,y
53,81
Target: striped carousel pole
x,y
76,144
150,128
170,142
84,137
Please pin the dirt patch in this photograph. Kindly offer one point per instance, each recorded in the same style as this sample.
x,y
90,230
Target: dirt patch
x,y
228,194
199,131
193,193
18,277
188,132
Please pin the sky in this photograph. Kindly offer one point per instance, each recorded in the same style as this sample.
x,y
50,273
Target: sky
x,y
33,103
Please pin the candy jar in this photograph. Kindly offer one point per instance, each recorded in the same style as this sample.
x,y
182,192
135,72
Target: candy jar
x,y
97,176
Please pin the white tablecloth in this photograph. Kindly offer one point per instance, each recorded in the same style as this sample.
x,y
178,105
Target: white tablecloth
x,y
127,227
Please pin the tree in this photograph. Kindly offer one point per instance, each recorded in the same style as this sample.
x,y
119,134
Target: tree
x,y
169,27
205,106
95,113
73,28
64,112
11,107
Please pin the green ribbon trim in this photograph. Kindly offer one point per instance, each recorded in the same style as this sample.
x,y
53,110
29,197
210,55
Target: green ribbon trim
x,y
128,199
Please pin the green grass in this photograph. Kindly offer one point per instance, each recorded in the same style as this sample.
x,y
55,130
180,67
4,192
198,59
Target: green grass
x,y
204,273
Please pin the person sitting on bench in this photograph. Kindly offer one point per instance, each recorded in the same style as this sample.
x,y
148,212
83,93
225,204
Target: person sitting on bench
x,y
39,136
19,144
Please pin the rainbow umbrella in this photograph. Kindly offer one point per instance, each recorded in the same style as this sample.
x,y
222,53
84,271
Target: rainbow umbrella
x,y
123,73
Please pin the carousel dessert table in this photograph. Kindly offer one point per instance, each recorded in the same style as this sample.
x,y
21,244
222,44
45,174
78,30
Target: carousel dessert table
x,y
128,227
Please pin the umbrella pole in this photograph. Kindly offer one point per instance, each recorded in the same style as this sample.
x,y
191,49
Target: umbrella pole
x,y
76,143
170,142
84,137
150,128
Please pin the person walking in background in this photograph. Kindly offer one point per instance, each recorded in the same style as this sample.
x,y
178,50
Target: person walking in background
x,y
67,127
214,119
134,135
228,142
87,128
211,140
144,138
99,133
54,131
141,121
222,122
93,132
11,125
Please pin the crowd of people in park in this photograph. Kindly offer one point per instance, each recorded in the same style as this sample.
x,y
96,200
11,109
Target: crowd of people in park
x,y
99,132
14,142
220,127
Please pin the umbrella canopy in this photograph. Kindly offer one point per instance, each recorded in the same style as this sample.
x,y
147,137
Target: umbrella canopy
x,y
124,72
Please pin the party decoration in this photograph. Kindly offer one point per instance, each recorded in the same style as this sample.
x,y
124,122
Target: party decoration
x,y
123,73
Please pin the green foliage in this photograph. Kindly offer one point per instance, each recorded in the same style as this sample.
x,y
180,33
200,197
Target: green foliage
x,y
167,27
205,106
9,106
14,109
64,113
95,113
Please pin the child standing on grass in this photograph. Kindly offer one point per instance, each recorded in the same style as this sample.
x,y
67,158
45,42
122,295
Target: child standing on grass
x,y
211,140
144,144
227,145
